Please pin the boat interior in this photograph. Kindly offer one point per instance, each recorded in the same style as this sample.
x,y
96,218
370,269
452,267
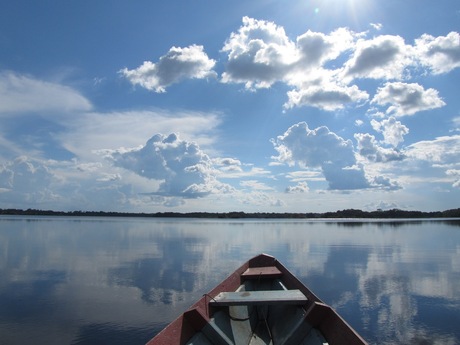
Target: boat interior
x,y
261,311
260,303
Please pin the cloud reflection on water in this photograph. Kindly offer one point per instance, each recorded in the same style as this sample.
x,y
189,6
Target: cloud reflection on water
x,y
392,281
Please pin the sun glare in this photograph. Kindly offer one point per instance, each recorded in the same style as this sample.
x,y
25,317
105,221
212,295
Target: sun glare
x,y
340,11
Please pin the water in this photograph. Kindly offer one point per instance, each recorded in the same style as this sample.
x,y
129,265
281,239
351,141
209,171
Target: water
x,y
120,281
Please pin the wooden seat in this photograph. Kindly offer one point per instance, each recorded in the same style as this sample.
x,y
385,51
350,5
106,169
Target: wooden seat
x,y
269,297
262,272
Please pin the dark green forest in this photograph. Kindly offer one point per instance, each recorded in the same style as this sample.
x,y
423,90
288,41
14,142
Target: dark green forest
x,y
348,213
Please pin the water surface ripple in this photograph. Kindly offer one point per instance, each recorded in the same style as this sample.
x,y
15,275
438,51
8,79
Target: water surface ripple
x,y
79,280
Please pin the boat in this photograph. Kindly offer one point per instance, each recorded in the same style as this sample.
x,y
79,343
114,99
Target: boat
x,y
262,302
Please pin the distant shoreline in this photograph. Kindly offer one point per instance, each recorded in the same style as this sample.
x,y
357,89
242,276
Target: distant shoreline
x,y
348,213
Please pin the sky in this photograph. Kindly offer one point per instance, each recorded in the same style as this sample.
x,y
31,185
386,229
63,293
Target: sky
x,y
220,106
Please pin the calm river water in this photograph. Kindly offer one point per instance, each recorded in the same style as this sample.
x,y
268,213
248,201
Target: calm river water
x,y
120,280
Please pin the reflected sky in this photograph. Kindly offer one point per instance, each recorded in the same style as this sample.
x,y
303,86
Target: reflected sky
x,y
80,280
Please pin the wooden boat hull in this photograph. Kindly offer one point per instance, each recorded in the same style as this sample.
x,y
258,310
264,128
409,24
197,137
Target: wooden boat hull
x,y
260,303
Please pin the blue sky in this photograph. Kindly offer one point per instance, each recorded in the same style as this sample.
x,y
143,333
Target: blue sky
x,y
270,106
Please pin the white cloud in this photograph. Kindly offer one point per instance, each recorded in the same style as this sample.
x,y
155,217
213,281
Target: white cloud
x,y
259,54
24,94
184,172
23,176
442,150
261,199
456,174
72,185
301,187
178,64
376,26
236,171
302,176
407,99
385,183
31,183
310,148
441,54
393,131
88,167
324,149
255,185
182,166
327,97
107,177
372,151
384,57
228,164
316,48
382,205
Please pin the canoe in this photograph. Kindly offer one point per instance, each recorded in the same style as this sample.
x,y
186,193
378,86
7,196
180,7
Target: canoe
x,y
260,303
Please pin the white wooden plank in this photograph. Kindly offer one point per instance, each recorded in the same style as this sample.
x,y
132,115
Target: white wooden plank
x,y
269,297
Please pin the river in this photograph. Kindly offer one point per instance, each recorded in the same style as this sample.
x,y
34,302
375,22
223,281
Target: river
x,y
78,280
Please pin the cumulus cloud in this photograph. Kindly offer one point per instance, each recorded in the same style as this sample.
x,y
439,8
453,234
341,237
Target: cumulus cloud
x,y
259,54
382,205
320,68
441,54
335,156
72,185
178,64
393,131
327,97
261,199
182,166
301,187
23,176
407,99
316,48
65,185
310,148
321,148
369,148
385,183
384,57
228,164
24,94
30,183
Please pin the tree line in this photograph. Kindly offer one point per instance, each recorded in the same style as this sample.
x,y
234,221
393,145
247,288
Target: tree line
x,y
348,213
